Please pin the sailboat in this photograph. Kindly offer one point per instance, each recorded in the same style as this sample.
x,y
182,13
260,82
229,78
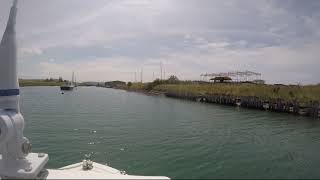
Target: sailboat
x,y
70,86
16,159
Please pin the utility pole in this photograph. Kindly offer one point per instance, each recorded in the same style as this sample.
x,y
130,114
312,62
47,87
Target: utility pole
x,y
153,76
141,75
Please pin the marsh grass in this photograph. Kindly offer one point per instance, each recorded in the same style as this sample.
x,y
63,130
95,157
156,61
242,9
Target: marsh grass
x,y
301,94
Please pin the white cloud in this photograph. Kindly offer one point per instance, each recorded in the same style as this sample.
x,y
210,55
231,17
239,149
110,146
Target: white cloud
x,y
214,45
30,51
90,69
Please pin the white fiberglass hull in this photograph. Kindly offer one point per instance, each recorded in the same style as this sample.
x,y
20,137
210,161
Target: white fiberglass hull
x,y
99,171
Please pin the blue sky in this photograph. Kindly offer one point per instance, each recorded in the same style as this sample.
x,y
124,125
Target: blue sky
x,y
103,40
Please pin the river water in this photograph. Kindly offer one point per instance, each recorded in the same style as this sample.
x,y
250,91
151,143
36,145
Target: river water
x,y
150,135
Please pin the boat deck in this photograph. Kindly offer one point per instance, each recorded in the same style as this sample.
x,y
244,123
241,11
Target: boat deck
x,y
98,171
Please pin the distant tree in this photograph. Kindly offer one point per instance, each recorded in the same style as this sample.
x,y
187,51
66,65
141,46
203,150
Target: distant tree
x,y
173,79
129,84
60,79
157,82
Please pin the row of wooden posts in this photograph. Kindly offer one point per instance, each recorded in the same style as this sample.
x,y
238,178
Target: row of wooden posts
x,y
311,108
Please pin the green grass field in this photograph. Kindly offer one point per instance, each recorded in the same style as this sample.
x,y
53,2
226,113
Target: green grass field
x,y
301,94
39,82
289,93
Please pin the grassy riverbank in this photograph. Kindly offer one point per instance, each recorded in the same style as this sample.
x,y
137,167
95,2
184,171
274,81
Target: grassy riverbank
x,y
40,82
301,94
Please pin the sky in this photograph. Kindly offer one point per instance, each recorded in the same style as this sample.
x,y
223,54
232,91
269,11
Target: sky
x,y
103,40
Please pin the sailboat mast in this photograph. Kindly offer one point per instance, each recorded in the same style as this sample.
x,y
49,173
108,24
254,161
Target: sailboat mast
x,y
72,81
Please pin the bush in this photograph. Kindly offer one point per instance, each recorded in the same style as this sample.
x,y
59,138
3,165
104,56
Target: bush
x,y
173,80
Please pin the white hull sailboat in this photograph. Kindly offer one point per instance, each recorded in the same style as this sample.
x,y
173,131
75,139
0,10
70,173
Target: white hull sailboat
x,y
68,87
16,159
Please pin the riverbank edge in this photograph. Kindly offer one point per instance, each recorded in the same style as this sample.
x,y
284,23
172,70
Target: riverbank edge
x,y
311,109
141,91
39,83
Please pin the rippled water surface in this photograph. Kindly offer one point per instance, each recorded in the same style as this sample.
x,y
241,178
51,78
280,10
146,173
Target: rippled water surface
x,y
149,135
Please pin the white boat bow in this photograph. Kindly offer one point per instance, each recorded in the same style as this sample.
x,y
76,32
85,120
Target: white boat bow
x,y
99,171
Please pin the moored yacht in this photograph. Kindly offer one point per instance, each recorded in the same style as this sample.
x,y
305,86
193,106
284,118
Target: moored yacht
x,y
68,87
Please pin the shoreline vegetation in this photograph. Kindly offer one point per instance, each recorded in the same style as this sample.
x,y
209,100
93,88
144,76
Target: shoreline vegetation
x,y
294,99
